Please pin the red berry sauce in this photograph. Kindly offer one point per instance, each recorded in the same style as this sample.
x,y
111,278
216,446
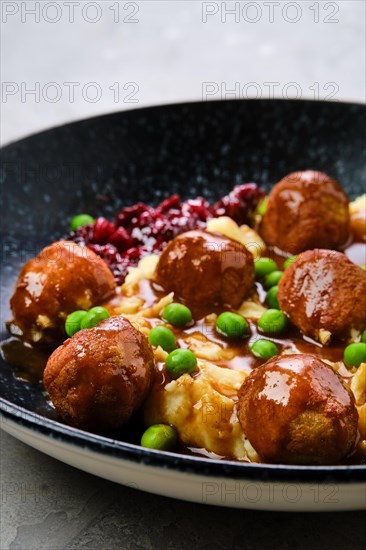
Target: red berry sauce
x,y
140,229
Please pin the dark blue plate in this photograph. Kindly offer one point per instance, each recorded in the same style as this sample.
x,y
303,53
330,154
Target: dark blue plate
x,y
101,164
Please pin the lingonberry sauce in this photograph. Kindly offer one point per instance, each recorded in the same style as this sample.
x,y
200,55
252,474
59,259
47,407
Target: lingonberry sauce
x,y
140,229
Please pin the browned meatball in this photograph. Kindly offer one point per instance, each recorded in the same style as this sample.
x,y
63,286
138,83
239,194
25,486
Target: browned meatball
x,y
63,278
295,409
206,270
306,210
100,376
324,290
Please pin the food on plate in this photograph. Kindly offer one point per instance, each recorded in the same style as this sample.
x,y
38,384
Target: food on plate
x,y
232,325
202,409
306,210
357,211
179,362
295,409
206,270
177,314
324,294
358,387
84,319
223,331
159,436
63,278
355,354
80,220
163,337
264,349
273,321
140,229
100,376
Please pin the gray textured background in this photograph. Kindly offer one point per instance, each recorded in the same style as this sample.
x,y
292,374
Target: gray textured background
x,y
168,55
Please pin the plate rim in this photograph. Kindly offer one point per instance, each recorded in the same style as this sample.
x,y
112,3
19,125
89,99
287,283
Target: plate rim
x,y
183,104
175,461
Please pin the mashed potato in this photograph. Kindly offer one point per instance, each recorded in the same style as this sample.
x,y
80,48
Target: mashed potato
x,y
202,410
243,234
357,210
358,386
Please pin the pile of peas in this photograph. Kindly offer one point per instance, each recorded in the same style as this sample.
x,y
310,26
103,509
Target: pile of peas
x,y
274,321
179,361
183,361
80,319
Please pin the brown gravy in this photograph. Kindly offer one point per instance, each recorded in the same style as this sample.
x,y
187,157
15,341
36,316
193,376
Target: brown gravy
x,y
29,361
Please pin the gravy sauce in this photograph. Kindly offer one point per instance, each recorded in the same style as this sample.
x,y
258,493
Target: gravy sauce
x,y
29,361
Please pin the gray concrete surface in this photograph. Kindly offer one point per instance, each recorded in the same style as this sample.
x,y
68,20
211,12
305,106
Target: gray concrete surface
x,y
47,505
150,52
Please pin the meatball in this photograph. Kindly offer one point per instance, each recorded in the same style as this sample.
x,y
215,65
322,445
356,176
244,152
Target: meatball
x,y
205,270
357,211
295,409
322,292
100,376
63,278
306,210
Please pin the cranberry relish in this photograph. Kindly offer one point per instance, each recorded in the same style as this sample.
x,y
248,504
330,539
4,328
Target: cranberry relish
x,y
140,229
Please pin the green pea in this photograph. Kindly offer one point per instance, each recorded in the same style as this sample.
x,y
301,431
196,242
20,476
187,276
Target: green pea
x,y
289,261
232,325
94,316
80,220
273,321
271,298
272,279
355,354
263,266
363,267
364,336
262,206
163,337
264,349
73,321
177,315
181,361
159,436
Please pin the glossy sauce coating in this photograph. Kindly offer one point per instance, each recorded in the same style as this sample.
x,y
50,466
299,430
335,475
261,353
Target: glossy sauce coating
x,y
306,210
324,290
235,354
63,278
100,376
206,270
30,362
240,357
295,409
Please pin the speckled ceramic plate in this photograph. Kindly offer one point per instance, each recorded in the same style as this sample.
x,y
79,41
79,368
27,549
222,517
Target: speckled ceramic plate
x,y
100,164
